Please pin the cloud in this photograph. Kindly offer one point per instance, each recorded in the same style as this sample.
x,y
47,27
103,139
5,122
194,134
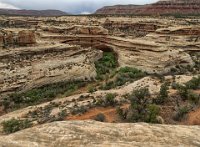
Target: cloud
x,y
72,6
85,13
7,6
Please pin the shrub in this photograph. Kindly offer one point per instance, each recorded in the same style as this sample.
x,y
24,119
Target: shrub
x,y
105,65
194,98
110,99
91,89
124,75
163,95
153,112
79,110
15,125
183,91
61,115
100,117
100,102
194,83
139,105
122,113
182,112
141,109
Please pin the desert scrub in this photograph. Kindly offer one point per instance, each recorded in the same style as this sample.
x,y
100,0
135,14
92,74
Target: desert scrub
x,y
141,109
43,114
196,59
79,110
163,95
14,125
39,95
124,75
181,113
185,91
100,117
194,83
108,100
105,65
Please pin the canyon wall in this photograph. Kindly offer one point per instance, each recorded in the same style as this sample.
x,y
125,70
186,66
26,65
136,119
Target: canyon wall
x,y
167,7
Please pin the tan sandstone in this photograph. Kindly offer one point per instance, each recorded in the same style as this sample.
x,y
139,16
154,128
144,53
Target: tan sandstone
x,y
91,133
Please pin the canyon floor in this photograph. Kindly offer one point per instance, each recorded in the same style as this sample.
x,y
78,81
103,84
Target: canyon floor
x,y
99,81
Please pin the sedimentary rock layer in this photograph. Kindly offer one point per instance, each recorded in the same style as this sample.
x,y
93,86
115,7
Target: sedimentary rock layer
x,y
148,56
29,67
21,38
162,7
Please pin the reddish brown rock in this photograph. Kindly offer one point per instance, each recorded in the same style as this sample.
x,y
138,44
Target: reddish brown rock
x,y
186,7
26,37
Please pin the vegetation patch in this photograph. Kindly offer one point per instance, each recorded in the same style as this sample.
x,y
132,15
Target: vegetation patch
x,y
109,100
124,75
142,109
186,93
181,113
14,125
105,65
163,95
43,114
100,117
39,95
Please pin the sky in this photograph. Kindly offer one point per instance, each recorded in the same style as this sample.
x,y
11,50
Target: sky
x,y
71,6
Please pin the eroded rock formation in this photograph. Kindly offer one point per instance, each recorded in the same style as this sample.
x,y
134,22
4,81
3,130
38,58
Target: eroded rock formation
x,y
12,39
149,56
30,67
47,50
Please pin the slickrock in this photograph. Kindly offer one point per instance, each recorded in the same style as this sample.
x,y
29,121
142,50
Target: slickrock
x,y
91,133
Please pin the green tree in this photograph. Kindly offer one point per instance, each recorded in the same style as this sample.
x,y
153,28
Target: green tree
x,y
163,95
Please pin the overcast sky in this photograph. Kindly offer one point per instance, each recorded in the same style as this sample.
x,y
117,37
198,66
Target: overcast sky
x,y
72,6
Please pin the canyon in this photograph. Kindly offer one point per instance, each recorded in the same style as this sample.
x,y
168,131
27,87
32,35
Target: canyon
x,y
59,74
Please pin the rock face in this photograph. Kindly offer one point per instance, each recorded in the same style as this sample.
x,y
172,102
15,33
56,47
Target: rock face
x,y
12,39
149,56
26,37
90,133
36,66
185,7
